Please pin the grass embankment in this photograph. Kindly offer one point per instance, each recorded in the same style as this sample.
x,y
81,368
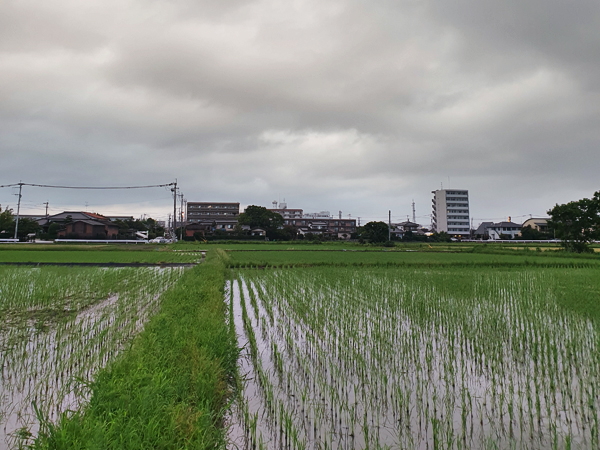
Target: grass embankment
x,y
171,389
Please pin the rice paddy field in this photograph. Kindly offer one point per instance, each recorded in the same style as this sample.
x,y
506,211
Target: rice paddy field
x,y
422,357
99,257
399,257
299,347
59,327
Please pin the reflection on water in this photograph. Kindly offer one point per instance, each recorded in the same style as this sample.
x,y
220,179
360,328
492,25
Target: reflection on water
x,y
380,360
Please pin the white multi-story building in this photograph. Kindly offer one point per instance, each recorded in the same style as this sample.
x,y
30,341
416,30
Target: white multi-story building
x,y
451,211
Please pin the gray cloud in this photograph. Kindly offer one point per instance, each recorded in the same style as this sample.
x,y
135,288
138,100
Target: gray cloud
x,y
339,104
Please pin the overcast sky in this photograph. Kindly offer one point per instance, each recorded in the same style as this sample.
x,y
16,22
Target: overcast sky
x,y
351,105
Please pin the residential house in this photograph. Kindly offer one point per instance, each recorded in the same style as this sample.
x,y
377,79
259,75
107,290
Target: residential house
x,y
81,225
398,230
540,224
503,230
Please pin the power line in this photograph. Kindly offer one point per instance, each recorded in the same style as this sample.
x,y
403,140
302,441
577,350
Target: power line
x,y
21,184
88,187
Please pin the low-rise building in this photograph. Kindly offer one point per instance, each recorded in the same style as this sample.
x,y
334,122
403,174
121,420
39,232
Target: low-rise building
x,y
540,224
398,230
89,229
322,222
203,211
212,216
81,225
285,212
338,228
482,231
503,230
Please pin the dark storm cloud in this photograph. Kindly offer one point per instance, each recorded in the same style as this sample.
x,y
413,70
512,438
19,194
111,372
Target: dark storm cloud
x,y
353,105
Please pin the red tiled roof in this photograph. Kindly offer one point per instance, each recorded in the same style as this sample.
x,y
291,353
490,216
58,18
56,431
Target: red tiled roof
x,y
96,216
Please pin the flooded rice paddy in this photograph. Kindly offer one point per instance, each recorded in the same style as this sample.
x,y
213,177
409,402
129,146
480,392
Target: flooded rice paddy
x,y
59,327
404,359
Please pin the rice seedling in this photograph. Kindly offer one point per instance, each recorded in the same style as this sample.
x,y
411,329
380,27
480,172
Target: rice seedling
x,y
59,327
402,358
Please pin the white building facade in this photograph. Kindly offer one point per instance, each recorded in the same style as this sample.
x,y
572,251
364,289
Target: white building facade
x,y
450,212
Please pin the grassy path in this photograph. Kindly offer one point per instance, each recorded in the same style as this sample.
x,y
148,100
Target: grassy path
x,y
171,390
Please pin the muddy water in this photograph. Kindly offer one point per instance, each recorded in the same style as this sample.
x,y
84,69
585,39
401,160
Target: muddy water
x,y
350,387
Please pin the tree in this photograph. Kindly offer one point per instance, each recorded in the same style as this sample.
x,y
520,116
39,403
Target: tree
x,y
374,232
6,221
260,217
533,234
26,226
442,236
53,230
577,223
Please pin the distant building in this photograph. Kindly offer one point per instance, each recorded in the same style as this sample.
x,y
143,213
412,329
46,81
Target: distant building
x,y
333,227
540,224
318,215
398,230
483,230
285,212
450,212
212,216
81,225
89,229
322,222
502,230
121,218
202,211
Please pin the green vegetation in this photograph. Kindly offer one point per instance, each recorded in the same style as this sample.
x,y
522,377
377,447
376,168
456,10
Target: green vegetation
x,y
440,345
374,232
94,256
114,357
59,327
502,258
171,390
577,223
411,358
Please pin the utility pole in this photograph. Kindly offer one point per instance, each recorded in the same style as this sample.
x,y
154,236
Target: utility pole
x,y
414,215
359,221
389,225
18,210
46,208
174,191
181,212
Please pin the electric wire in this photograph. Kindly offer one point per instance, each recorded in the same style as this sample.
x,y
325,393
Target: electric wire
x,y
87,187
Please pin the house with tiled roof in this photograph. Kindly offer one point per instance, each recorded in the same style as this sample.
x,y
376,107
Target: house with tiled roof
x,y
81,225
